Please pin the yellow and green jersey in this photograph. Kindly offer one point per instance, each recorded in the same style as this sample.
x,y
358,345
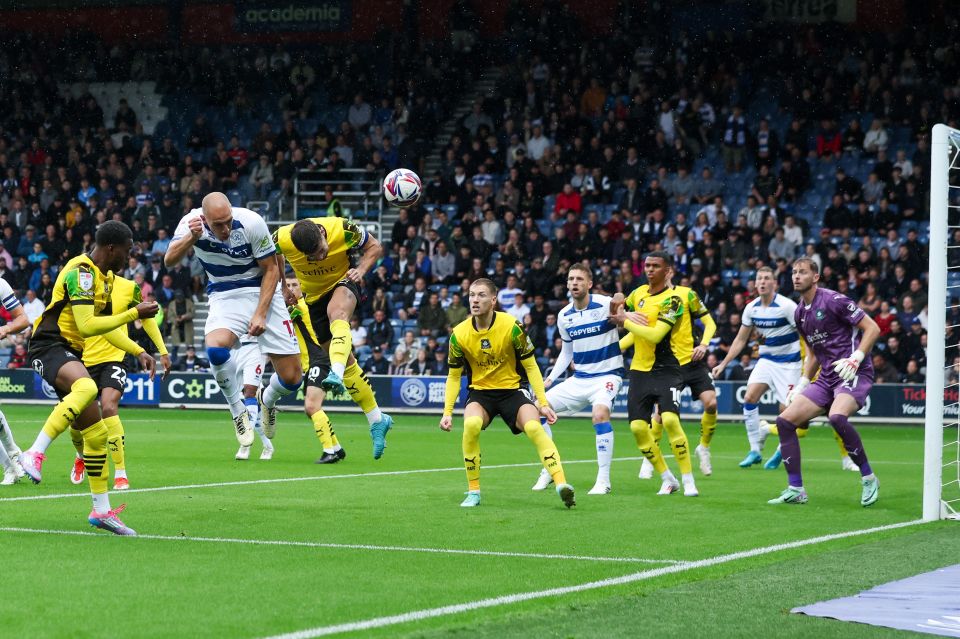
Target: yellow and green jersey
x,y
79,283
319,278
306,336
124,295
491,357
665,306
683,338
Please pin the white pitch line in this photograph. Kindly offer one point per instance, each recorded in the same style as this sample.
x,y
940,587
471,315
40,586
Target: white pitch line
x,y
391,473
429,613
281,480
318,544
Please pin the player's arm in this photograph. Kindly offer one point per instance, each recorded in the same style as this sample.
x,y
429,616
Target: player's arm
x,y
811,366
18,323
739,343
847,368
80,293
118,338
562,364
626,342
370,251
184,237
451,392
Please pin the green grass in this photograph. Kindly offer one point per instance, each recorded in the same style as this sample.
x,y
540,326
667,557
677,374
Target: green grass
x,y
183,588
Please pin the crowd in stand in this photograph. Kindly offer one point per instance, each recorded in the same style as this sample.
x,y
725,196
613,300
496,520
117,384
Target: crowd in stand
x,y
593,149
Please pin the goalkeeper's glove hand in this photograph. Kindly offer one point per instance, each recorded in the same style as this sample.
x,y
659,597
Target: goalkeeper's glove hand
x,y
847,368
295,312
797,389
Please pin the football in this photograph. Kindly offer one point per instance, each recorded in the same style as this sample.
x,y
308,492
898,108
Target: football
x,y
402,188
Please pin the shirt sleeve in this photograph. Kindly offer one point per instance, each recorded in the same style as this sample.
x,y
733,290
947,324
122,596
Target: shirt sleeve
x,y
671,310
260,239
790,310
7,297
697,309
276,241
564,335
747,317
630,303
846,309
136,298
521,342
182,229
455,353
79,284
354,235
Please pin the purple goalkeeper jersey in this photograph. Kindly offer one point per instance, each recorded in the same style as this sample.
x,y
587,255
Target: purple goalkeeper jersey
x,y
829,326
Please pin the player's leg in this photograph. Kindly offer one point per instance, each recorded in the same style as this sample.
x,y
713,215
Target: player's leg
x,y
8,467
93,430
116,438
601,400
656,426
219,342
475,419
667,389
10,447
803,408
340,309
313,406
640,402
66,373
361,392
279,342
844,405
564,400
525,417
708,426
751,421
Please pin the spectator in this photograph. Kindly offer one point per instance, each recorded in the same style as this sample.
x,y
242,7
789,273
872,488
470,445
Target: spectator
x,y
431,319
179,315
377,364
191,362
734,140
381,331
876,138
32,306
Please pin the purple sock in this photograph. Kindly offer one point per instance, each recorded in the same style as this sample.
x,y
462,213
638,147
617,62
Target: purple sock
x,y
852,442
790,449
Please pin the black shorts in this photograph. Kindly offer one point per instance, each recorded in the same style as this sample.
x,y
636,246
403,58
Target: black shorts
x,y
650,388
47,358
318,310
109,375
697,376
505,403
319,369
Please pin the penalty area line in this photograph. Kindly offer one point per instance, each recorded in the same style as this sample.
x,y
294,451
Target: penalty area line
x,y
376,548
504,600
282,480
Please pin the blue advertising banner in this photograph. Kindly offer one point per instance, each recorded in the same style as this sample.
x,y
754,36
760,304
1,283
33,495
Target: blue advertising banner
x,y
258,16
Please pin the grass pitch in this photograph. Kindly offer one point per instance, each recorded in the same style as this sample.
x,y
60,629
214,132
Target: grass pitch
x,y
263,548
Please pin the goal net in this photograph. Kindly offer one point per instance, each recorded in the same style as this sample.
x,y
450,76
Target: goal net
x,y
941,475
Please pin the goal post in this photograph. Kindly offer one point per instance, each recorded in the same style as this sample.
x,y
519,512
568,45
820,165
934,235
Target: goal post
x,y
941,471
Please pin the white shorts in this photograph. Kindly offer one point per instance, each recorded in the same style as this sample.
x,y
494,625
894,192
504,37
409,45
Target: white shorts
x,y
250,363
779,376
576,393
233,310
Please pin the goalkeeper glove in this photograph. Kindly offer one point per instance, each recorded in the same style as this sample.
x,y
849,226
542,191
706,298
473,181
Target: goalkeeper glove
x,y
847,368
797,389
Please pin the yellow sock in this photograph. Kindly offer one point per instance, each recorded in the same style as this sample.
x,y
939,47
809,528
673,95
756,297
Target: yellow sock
x,y
471,450
547,450
678,441
708,425
116,441
801,430
341,343
321,426
843,449
648,446
76,436
82,393
95,456
359,388
656,425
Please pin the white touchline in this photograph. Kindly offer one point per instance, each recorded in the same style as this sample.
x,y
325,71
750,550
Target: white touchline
x,y
281,480
318,544
419,615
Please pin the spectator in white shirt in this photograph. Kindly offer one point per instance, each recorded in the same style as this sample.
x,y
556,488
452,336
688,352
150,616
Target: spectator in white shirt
x,y
519,308
32,306
876,138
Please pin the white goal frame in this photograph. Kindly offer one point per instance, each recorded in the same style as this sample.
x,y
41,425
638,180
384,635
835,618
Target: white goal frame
x,y
935,474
